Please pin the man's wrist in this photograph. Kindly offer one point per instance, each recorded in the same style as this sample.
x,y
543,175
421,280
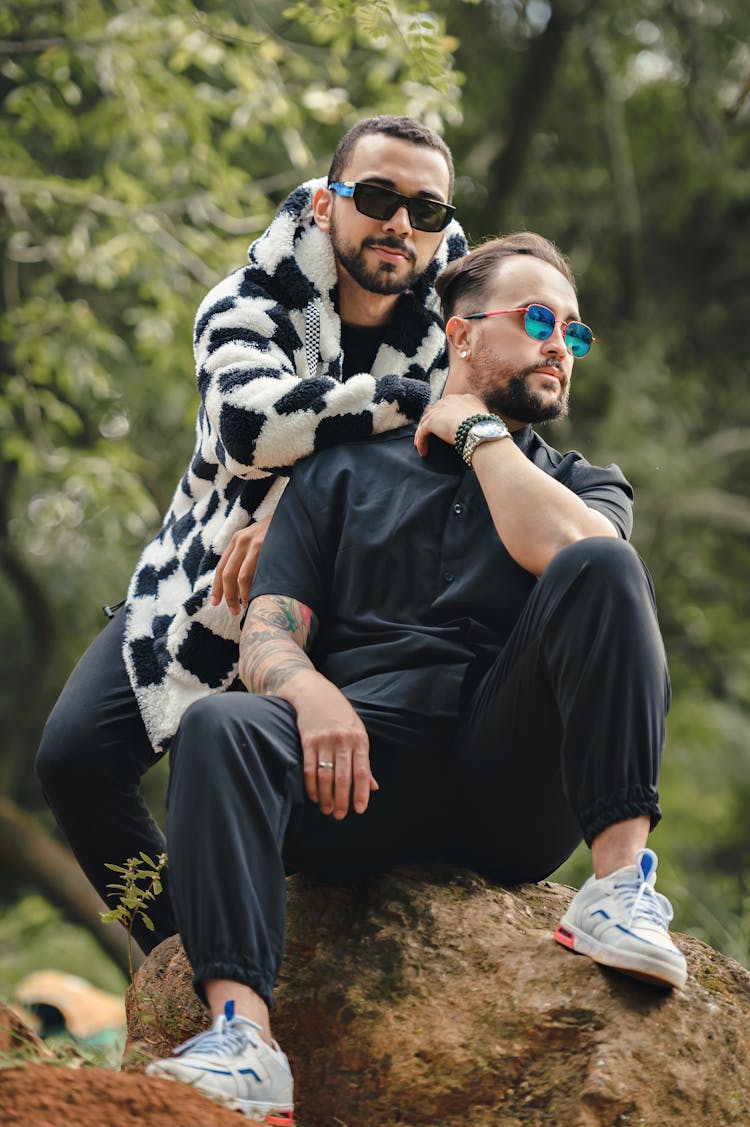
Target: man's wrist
x,y
459,440
462,432
301,685
490,429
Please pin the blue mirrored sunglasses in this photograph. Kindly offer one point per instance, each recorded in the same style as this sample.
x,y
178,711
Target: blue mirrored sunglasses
x,y
539,322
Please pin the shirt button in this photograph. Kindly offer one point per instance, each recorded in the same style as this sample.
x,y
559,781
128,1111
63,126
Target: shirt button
x,y
448,576
458,508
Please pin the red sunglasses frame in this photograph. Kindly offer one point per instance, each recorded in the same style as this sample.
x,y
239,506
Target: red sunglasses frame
x,y
525,309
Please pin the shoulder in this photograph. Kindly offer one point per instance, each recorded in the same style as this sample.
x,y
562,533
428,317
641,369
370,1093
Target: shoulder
x,y
568,466
376,453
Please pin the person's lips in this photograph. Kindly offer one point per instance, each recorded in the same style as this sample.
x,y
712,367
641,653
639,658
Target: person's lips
x,y
388,252
553,373
389,255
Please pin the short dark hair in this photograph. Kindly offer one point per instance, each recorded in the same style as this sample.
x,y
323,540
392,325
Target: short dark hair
x,y
403,128
464,283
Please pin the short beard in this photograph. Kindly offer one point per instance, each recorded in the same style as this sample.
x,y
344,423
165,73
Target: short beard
x,y
378,279
515,400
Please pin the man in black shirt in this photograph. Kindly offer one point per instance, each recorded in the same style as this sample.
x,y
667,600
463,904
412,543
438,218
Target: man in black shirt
x,y
452,653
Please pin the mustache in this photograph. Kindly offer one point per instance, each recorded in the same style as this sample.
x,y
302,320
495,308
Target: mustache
x,y
553,363
390,242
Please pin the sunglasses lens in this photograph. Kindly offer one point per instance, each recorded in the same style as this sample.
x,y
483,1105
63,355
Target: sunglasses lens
x,y
428,215
382,203
578,338
377,203
540,322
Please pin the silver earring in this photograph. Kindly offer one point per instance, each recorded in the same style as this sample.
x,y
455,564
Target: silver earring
x,y
463,354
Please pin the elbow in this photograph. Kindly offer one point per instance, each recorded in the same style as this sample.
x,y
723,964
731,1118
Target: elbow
x,y
576,540
575,535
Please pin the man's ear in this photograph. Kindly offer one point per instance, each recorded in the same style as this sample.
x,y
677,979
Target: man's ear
x,y
322,208
457,332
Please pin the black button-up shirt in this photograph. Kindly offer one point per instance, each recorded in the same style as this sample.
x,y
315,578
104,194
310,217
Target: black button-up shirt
x,y
399,559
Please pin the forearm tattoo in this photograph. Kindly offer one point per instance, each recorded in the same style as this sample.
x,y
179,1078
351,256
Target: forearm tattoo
x,y
277,633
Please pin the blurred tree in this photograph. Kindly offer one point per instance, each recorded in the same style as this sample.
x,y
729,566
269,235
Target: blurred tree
x,y
142,147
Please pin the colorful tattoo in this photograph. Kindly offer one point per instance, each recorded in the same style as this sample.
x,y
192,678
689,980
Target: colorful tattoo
x,y
277,633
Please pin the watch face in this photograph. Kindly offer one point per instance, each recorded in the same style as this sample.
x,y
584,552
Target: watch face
x,y
488,428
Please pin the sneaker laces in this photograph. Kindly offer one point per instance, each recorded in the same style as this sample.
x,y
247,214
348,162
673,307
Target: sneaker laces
x,y
644,902
223,1036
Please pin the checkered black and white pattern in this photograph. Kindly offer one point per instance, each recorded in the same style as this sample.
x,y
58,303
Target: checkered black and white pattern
x,y
268,359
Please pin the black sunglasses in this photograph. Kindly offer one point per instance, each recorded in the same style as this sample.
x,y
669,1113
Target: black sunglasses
x,y
382,203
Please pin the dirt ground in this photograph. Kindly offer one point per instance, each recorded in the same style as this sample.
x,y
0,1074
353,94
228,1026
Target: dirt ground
x,y
49,1095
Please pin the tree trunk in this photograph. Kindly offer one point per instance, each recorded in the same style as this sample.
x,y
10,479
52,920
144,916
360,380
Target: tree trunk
x,y
535,87
625,189
29,855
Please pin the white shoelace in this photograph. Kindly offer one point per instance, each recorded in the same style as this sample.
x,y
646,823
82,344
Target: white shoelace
x,y
645,902
224,1036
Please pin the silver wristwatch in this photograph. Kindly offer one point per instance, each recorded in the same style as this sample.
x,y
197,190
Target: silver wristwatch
x,y
488,430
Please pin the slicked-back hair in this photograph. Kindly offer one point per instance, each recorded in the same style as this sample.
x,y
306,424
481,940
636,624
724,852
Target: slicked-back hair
x,y
463,285
404,129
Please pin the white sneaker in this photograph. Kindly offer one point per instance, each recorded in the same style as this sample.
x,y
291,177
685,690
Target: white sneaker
x,y
231,1062
622,922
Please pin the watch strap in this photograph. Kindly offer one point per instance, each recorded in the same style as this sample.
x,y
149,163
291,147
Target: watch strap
x,y
473,440
462,432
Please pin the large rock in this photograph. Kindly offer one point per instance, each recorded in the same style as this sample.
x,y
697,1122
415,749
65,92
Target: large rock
x,y
420,999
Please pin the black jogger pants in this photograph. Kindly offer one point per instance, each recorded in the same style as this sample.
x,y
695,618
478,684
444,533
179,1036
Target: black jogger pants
x,y
92,756
562,737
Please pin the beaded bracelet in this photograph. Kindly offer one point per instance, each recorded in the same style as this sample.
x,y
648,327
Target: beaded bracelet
x,y
462,433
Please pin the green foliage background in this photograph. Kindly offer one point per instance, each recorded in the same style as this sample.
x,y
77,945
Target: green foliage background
x,y
143,145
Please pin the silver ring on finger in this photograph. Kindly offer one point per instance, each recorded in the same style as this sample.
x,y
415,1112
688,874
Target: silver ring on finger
x,y
327,766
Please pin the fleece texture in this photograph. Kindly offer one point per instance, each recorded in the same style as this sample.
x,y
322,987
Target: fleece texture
x,y
267,347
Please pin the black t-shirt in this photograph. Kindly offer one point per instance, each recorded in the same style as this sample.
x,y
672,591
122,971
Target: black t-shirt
x,y
360,347
399,559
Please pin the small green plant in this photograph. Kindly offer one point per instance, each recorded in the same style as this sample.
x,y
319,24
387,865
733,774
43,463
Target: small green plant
x,y
140,884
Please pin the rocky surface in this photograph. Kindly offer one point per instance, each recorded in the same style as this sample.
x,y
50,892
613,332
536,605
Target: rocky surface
x,y
421,999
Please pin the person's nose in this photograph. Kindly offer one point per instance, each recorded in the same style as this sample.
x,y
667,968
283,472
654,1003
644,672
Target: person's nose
x,y
399,223
555,344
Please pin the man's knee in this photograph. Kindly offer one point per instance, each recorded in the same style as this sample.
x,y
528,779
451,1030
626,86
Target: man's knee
x,y
223,725
231,744
68,749
604,562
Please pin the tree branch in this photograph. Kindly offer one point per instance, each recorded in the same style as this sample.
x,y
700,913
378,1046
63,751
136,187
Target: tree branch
x,y
39,616
30,856
36,46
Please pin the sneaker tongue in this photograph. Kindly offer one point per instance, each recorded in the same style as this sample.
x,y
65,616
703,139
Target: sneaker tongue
x,y
646,862
231,1016
240,1020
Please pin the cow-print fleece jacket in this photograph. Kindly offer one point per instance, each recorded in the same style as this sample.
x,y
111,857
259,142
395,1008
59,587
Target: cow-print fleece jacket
x,y
268,358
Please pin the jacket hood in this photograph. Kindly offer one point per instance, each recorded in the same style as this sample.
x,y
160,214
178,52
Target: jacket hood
x,y
294,225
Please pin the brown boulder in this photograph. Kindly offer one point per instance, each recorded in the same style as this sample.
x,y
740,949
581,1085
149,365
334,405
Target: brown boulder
x,y
420,999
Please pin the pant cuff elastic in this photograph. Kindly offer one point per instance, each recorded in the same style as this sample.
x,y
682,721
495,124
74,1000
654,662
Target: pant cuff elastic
x,y
233,971
632,802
